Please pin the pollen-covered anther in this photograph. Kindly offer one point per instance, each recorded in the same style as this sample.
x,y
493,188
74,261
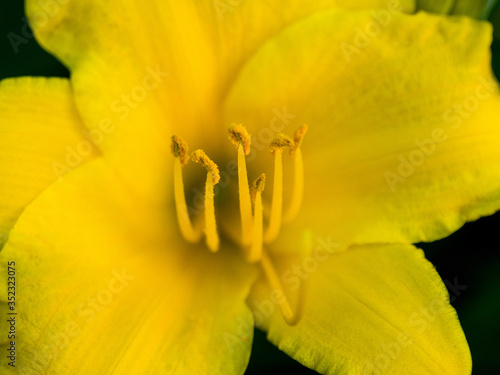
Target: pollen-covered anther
x,y
213,177
258,186
179,149
239,136
297,139
200,157
280,142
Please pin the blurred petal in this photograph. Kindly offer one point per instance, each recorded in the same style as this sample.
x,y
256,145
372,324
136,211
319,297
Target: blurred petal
x,y
41,139
404,134
110,292
379,309
149,71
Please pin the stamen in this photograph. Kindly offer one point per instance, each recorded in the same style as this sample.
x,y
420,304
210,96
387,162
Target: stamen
x,y
239,135
297,139
277,146
241,139
256,250
179,149
275,283
213,178
298,183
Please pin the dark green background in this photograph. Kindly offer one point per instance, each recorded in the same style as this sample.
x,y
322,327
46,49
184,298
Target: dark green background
x,y
472,254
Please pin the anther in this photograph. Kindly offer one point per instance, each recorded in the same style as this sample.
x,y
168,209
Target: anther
x,y
240,137
255,252
213,178
277,145
297,139
179,150
200,157
298,183
258,186
280,142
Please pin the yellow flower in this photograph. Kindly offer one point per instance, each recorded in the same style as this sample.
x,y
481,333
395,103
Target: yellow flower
x,y
113,276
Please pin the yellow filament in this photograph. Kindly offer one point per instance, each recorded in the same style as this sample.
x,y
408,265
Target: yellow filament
x,y
277,202
210,224
240,137
256,249
213,177
244,196
277,287
298,187
298,183
187,230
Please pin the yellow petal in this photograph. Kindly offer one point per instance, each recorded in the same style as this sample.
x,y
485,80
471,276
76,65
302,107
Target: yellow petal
x,y
104,286
404,134
379,309
41,139
149,70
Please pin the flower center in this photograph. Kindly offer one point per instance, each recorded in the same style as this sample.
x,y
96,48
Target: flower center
x,y
253,237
